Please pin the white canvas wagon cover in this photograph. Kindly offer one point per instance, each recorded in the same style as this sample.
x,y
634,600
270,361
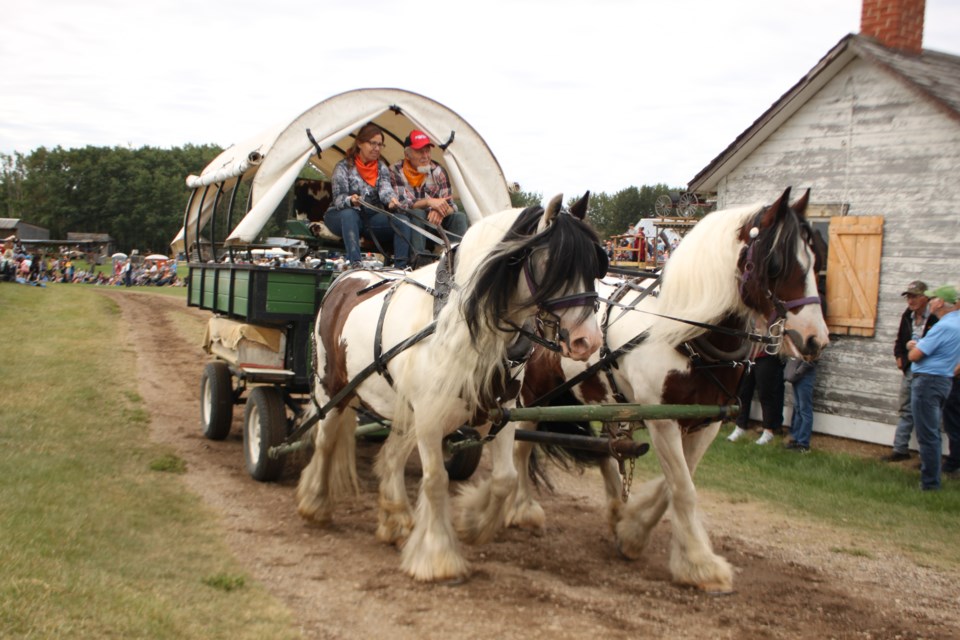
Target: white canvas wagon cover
x,y
274,158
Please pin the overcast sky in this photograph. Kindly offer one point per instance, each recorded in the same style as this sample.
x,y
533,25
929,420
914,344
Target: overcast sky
x,y
591,94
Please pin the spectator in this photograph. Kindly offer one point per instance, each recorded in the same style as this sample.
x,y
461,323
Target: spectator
x,y
914,324
127,272
424,187
934,357
951,425
766,376
801,375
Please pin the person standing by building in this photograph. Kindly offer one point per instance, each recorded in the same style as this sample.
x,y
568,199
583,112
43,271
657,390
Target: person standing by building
x,y
914,324
766,377
951,426
934,357
801,375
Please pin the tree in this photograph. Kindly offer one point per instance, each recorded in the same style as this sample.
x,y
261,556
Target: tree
x,y
136,196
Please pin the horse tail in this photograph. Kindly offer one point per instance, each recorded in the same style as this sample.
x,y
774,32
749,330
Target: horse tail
x,y
565,457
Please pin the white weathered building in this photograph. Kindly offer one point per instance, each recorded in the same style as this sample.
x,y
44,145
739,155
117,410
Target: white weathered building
x,y
874,131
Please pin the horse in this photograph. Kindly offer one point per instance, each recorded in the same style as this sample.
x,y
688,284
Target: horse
x,y
518,276
752,265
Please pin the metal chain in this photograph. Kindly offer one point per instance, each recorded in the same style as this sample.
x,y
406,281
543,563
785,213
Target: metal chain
x,y
627,479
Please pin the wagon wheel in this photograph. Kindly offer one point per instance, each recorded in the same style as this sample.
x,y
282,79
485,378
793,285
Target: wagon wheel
x,y
663,206
264,426
216,400
461,463
688,205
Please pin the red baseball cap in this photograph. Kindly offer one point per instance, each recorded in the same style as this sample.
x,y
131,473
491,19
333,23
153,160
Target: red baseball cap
x,y
417,140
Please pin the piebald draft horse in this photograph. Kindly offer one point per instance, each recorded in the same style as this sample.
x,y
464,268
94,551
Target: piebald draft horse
x,y
518,277
752,266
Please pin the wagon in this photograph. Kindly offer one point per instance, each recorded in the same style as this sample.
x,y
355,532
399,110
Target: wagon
x,y
260,334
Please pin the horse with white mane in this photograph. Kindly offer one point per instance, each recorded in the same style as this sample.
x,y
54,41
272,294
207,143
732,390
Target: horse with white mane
x,y
737,268
518,276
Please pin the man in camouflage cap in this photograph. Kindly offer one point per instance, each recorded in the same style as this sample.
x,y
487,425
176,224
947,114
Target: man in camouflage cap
x,y
914,324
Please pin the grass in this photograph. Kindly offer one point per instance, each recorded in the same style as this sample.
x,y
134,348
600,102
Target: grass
x,y
878,503
99,536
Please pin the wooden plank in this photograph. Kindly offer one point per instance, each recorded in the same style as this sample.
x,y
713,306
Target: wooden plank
x,y
853,274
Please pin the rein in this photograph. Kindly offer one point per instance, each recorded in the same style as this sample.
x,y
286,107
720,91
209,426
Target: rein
x,y
548,332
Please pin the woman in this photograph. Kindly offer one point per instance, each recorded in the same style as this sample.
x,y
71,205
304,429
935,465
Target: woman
x,y
363,177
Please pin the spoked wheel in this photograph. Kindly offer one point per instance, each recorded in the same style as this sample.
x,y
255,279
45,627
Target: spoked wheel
x,y
663,205
688,205
461,462
216,400
264,426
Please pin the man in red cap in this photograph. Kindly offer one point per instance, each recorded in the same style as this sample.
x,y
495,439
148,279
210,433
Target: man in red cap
x,y
424,188
914,324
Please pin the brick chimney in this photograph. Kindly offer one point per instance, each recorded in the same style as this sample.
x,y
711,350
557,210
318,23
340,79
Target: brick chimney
x,y
897,24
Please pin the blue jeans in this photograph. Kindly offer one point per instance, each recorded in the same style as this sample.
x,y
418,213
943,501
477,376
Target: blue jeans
x,y
350,223
929,393
951,425
901,438
455,223
801,425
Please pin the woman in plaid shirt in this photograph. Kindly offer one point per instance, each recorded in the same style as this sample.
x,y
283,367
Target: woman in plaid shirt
x,y
363,177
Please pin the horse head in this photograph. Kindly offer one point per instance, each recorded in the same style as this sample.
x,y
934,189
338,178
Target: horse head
x,y
544,269
778,268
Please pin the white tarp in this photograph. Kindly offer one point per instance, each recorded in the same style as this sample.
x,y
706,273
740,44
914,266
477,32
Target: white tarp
x,y
477,179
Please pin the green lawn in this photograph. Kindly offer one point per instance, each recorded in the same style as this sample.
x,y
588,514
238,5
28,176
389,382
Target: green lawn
x,y
99,537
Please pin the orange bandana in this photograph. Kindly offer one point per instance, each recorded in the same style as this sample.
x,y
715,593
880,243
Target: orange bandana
x,y
414,177
367,170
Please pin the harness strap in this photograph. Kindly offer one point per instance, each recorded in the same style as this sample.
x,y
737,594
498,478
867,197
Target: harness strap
x,y
378,337
359,378
701,363
603,362
444,280
629,285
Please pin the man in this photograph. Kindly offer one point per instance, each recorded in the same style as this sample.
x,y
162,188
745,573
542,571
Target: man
x,y
914,324
951,425
934,358
424,188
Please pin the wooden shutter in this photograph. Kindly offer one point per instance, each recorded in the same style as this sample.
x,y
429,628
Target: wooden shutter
x,y
853,274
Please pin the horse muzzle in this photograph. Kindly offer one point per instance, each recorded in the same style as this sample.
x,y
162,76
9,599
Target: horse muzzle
x,y
809,348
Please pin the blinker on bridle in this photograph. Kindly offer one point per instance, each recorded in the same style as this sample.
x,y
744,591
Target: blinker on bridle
x,y
548,332
778,316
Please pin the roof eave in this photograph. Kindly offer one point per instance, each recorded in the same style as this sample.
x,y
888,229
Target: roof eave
x,y
830,65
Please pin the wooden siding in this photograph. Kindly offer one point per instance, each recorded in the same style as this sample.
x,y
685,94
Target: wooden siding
x,y
869,141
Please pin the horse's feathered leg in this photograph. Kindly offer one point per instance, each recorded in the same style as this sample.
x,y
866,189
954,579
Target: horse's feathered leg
x,y
332,471
649,501
431,552
523,510
481,508
395,516
692,560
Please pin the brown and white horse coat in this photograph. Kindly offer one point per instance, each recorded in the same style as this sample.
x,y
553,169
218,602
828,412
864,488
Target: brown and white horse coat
x,y
736,268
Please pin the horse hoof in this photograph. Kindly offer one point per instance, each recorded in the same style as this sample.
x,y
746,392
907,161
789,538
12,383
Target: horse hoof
x,y
622,552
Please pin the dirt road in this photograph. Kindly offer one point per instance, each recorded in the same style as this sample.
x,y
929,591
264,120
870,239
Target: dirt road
x,y
341,583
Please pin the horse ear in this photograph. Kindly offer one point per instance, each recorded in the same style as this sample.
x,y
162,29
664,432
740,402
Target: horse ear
x,y
556,204
800,206
775,212
579,209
